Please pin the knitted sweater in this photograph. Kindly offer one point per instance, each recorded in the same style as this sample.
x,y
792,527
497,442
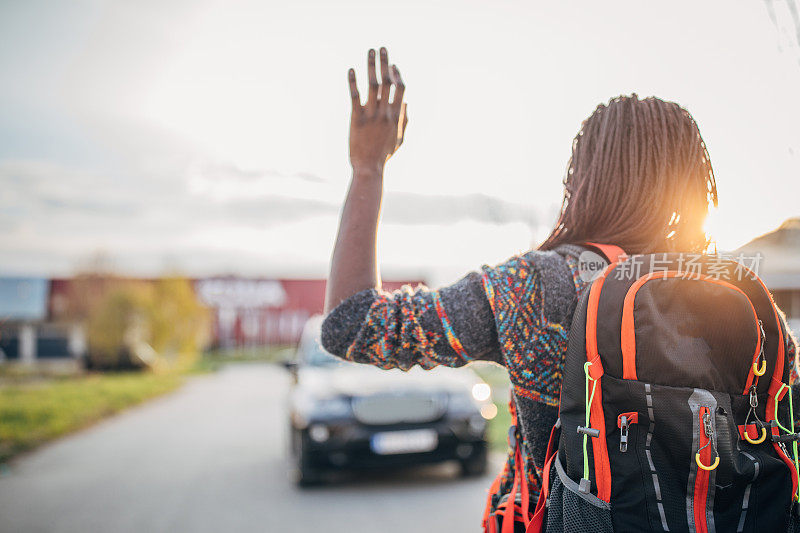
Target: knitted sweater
x,y
516,314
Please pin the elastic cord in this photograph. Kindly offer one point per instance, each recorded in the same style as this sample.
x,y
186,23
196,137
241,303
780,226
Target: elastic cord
x,y
589,399
791,431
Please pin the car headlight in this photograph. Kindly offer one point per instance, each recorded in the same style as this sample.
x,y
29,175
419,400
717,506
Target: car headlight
x,y
481,392
332,407
319,432
489,411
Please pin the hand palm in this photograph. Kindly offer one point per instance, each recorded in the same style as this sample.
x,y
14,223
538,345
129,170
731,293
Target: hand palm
x,y
377,127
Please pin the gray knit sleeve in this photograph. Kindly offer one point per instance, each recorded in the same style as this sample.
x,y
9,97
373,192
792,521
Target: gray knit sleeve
x,y
449,326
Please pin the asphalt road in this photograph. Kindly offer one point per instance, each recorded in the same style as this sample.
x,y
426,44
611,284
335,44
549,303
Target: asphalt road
x,y
212,457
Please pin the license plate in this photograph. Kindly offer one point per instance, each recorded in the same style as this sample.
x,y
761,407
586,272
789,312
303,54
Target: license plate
x,y
413,441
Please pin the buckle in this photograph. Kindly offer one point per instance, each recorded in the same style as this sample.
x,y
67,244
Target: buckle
x,y
512,436
592,432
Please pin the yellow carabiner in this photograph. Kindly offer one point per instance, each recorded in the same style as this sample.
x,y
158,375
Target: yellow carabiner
x,y
697,460
760,371
757,441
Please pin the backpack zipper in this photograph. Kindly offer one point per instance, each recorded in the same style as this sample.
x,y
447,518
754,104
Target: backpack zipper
x,y
702,477
624,422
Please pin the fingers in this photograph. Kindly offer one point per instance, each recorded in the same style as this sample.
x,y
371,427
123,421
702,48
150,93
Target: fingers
x,y
378,98
399,89
372,97
386,80
401,125
354,96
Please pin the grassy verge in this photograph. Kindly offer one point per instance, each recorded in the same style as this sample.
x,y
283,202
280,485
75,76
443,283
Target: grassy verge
x,y
35,411
497,377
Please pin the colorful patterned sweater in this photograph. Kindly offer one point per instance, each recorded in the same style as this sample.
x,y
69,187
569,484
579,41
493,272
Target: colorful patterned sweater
x,y
516,314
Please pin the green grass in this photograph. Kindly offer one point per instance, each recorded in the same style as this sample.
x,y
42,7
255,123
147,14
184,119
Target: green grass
x,y
35,411
497,377
498,428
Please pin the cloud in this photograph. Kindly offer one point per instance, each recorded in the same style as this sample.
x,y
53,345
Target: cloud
x,y
177,203
408,208
46,197
227,172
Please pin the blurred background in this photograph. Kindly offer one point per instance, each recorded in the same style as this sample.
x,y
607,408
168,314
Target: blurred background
x,y
171,175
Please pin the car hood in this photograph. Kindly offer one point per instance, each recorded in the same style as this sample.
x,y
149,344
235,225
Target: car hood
x,y
353,379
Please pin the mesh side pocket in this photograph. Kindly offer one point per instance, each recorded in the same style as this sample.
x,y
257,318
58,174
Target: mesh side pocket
x,y
570,511
794,523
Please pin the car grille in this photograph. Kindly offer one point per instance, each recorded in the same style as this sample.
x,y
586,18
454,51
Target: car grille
x,y
384,409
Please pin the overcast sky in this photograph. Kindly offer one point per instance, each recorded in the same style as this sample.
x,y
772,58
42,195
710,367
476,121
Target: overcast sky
x,y
211,137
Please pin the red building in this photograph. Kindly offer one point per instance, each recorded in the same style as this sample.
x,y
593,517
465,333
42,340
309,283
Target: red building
x,y
260,312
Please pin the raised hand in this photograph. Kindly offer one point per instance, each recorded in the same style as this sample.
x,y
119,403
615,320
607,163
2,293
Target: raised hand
x,y
377,127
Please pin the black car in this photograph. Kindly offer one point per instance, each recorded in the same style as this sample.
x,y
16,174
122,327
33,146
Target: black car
x,y
346,415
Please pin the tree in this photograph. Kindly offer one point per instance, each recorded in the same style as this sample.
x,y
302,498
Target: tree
x,y
158,324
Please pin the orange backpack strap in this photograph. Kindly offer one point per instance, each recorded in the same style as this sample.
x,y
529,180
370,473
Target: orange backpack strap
x,y
520,480
610,251
520,484
492,491
537,522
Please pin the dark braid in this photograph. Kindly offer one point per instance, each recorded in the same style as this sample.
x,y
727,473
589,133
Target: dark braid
x,y
639,177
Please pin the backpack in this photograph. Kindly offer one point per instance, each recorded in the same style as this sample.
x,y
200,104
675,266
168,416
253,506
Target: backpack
x,y
674,410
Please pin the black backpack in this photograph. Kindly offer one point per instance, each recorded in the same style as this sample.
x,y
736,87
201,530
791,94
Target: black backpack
x,y
674,408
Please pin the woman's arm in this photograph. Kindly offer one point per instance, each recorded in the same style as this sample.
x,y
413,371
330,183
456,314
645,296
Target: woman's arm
x,y
376,132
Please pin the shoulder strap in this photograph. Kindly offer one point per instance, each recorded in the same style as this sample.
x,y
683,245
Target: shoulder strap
x,y
610,251
537,521
520,480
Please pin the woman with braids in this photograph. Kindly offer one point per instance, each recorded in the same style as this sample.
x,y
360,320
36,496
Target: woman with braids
x,y
639,177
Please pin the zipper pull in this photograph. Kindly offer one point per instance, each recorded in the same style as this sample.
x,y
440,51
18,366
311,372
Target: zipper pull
x,y
707,425
760,365
708,429
624,424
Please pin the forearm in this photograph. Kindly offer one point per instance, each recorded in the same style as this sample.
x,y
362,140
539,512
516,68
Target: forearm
x,y
376,132
354,265
450,326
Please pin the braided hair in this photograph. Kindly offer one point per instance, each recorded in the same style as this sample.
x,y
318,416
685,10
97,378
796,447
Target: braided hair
x,y
639,177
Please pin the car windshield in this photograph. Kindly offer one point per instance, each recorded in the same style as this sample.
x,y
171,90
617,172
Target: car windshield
x,y
315,355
